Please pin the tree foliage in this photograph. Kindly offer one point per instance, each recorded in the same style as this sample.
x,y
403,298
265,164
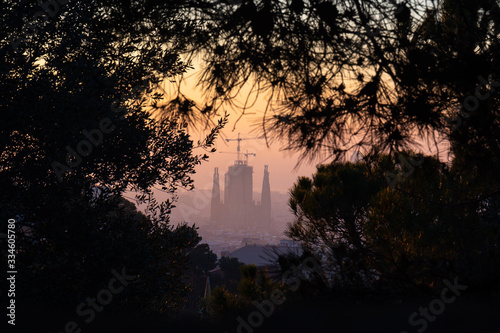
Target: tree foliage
x,y
255,284
429,226
231,268
202,259
224,303
78,132
343,75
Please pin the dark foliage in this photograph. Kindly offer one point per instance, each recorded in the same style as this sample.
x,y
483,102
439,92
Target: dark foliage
x,y
78,132
343,75
431,225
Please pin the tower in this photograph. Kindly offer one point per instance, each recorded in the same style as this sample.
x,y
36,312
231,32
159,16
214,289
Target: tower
x,y
266,197
215,205
238,203
239,210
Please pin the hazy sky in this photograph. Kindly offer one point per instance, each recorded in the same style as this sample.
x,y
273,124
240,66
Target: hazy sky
x,y
282,176
281,165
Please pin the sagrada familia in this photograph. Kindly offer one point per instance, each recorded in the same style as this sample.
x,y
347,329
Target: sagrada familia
x,y
238,210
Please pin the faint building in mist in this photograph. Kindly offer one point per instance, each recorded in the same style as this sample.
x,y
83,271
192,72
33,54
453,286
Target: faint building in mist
x,y
238,210
238,206
263,255
216,205
265,201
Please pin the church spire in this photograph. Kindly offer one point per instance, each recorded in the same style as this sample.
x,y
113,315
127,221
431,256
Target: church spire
x,y
215,206
266,196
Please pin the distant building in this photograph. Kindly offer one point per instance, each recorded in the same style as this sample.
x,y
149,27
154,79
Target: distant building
x,y
262,255
216,206
238,210
289,243
265,202
253,241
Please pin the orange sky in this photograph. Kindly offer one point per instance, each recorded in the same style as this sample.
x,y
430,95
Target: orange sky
x,y
282,175
281,165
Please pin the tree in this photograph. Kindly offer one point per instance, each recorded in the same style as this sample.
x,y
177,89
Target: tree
x,y
335,201
432,225
224,304
410,235
255,284
371,76
331,213
77,97
426,227
231,268
346,75
202,259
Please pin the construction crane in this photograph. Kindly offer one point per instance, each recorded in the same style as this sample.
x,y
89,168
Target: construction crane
x,y
238,148
245,154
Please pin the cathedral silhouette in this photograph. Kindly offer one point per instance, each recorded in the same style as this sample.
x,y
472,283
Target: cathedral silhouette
x,y
238,210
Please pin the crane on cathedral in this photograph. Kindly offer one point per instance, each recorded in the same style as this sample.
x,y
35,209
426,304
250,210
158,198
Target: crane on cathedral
x,y
245,154
238,210
238,148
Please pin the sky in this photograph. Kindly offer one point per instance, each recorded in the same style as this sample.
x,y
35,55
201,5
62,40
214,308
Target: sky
x,y
282,165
